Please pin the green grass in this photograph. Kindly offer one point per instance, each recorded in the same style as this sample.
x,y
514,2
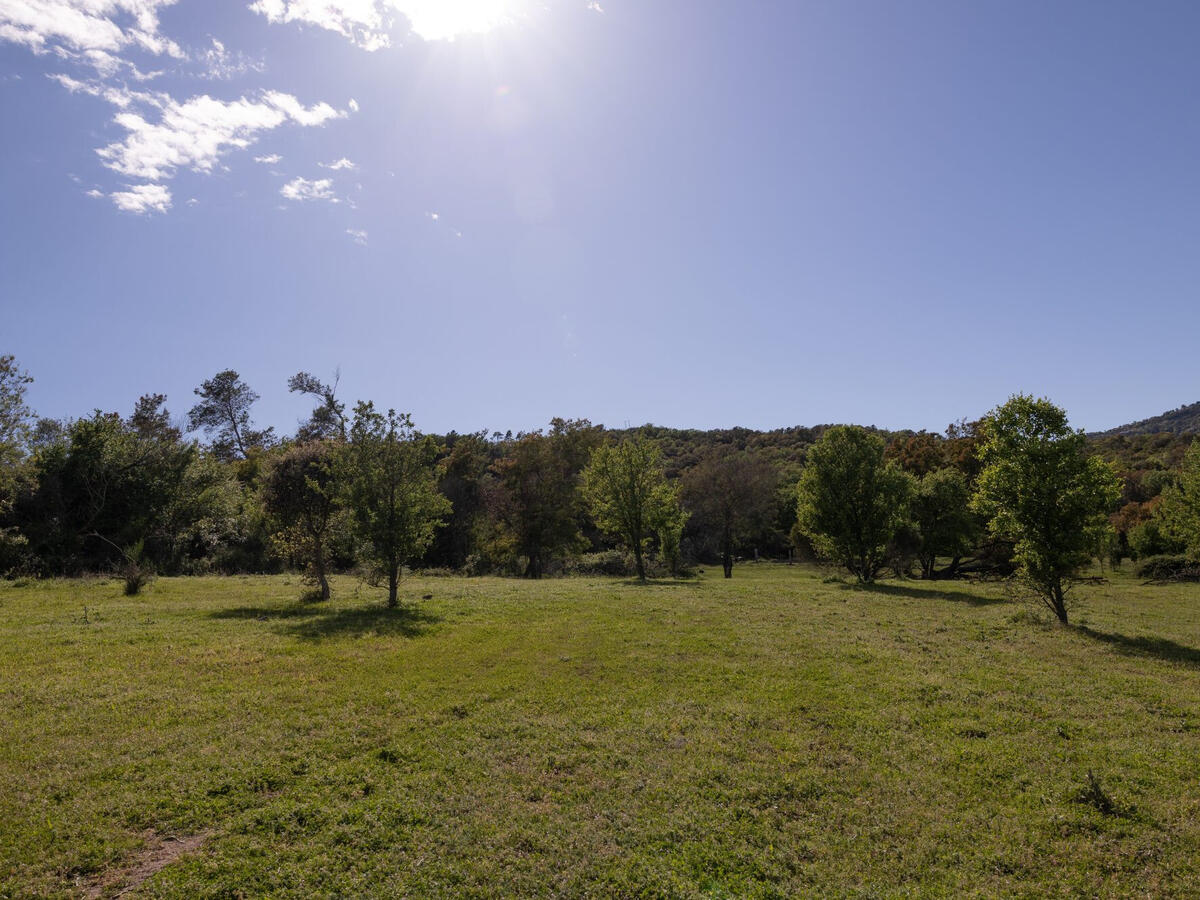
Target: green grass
x,y
773,735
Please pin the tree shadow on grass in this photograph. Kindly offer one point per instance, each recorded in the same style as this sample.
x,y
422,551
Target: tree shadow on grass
x,y
266,613
906,590
317,622
1158,648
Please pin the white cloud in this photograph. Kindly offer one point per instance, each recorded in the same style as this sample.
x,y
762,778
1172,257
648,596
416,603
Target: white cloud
x,y
303,189
220,63
94,31
269,160
595,7
338,164
199,131
143,198
365,22
360,237
368,23
353,104
120,97
95,194
434,216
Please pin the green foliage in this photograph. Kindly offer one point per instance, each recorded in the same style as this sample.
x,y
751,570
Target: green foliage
x,y
1168,567
1041,490
393,491
942,517
629,495
328,420
1180,509
108,487
731,496
539,506
15,431
850,503
300,492
224,414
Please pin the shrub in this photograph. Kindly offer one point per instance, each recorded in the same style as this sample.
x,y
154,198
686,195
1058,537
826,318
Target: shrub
x,y
1168,567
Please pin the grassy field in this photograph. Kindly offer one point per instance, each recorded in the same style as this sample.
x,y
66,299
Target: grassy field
x,y
774,735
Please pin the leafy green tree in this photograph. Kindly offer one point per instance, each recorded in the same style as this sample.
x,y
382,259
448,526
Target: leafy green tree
x,y
463,481
300,493
107,489
393,491
540,505
629,495
731,495
1180,508
224,414
15,432
1040,489
945,525
850,503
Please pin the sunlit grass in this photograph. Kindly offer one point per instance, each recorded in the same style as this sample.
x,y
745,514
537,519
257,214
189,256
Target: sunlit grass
x,y
772,735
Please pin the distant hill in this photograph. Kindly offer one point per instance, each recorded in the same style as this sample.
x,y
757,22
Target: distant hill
x,y
1185,420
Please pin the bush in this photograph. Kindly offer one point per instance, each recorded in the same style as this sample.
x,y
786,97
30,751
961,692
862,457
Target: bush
x,y
610,562
1168,567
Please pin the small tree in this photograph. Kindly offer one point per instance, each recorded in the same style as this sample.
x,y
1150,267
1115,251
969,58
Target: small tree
x,y
224,413
850,503
393,491
1180,508
941,514
16,420
730,494
300,493
629,496
1041,490
540,505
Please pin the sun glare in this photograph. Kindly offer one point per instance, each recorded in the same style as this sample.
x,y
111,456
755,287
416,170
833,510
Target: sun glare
x,y
439,20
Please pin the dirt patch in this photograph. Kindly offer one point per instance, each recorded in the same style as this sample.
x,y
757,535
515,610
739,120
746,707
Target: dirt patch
x,y
158,853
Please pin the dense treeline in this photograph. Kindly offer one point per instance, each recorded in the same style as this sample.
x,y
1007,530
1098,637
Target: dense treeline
x,y
364,490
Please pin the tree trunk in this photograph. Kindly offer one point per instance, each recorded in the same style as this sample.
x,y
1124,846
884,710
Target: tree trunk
x,y
1060,603
319,569
727,553
637,558
393,587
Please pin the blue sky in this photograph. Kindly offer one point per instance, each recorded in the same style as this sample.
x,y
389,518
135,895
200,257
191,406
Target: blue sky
x,y
492,212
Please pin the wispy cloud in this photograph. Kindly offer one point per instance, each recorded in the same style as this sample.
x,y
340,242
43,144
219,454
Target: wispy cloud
x,y
268,160
199,131
302,189
360,236
370,23
143,198
220,63
338,165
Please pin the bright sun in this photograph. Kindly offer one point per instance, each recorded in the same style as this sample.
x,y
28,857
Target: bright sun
x,y
438,20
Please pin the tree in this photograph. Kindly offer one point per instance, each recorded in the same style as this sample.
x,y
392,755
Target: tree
x,y
850,503
329,419
941,514
629,495
540,505
1180,507
730,494
300,492
1040,489
224,413
15,433
393,491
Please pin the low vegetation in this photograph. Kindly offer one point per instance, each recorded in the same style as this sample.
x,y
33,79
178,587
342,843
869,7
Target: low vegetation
x,y
784,733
